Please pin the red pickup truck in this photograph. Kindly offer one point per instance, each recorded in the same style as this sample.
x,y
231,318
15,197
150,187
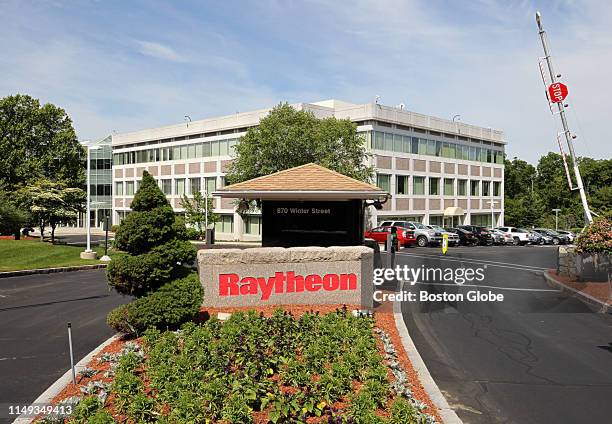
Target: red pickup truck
x,y
405,236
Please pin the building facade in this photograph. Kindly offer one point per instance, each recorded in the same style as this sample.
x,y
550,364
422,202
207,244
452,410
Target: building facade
x,y
438,171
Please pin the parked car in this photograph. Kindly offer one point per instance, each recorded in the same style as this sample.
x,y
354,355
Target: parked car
x,y
556,237
424,236
483,235
404,236
571,236
466,238
519,235
499,237
453,238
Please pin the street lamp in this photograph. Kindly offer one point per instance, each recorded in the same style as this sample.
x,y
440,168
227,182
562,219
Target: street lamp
x,y
88,253
556,211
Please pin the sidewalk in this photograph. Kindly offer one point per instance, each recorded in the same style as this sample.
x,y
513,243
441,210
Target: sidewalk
x,y
598,295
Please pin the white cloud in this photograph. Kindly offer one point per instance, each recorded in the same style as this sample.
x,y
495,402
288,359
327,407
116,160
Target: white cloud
x,y
159,51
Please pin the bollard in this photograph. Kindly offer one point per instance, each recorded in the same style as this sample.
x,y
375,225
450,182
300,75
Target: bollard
x,y
71,355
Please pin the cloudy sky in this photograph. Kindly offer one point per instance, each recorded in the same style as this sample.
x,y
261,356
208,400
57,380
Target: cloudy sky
x,y
122,66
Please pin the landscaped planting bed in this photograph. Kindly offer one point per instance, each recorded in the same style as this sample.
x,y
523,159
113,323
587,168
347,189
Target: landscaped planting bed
x,y
288,366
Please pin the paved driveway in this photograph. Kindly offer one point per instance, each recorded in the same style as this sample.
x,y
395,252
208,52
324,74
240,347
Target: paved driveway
x,y
536,357
34,311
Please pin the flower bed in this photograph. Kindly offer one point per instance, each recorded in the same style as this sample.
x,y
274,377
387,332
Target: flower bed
x,y
293,366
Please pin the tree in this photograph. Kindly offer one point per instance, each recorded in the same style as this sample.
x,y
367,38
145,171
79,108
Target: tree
x,y
51,203
38,142
196,212
287,138
12,216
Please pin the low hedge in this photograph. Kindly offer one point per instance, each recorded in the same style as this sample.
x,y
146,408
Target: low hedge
x,y
171,305
596,238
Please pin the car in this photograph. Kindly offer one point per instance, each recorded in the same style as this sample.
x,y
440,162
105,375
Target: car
x,y
405,236
453,238
424,236
556,237
571,236
466,238
519,236
499,237
483,235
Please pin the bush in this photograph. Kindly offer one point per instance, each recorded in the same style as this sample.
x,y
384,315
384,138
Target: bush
x,y
596,238
171,305
114,228
193,234
141,231
86,409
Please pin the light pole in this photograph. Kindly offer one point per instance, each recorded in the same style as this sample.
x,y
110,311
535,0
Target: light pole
x,y
88,253
556,211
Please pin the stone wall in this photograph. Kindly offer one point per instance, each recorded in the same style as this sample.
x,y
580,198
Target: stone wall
x,y
281,276
583,266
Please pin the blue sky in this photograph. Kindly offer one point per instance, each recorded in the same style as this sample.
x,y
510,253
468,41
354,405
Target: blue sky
x,y
122,66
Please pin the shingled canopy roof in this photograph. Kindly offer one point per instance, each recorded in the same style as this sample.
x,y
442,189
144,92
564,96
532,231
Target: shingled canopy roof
x,y
310,181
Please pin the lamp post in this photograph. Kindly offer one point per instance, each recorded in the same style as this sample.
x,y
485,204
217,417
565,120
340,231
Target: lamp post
x,y
88,253
556,211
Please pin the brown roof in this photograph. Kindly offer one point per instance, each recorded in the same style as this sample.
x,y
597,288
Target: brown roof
x,y
309,177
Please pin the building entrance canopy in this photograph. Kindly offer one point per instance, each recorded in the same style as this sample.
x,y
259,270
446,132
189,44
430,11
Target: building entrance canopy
x,y
454,211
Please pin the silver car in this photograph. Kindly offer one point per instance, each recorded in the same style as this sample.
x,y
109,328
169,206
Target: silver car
x,y
424,235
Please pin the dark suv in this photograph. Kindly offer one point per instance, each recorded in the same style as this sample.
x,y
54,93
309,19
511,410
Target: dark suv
x,y
557,238
482,234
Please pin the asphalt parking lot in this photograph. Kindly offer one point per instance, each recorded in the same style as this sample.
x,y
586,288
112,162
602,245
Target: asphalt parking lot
x,y
536,357
34,311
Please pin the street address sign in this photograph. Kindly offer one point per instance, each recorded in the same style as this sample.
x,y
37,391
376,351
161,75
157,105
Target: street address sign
x,y
557,92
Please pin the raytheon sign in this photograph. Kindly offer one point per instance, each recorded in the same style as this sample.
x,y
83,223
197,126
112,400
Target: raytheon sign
x,y
277,276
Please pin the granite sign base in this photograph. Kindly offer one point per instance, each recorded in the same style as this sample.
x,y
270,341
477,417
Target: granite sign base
x,y
287,276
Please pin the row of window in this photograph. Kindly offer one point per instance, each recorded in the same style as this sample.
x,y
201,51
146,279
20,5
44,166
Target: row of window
x,y
437,186
100,164
186,151
421,146
176,186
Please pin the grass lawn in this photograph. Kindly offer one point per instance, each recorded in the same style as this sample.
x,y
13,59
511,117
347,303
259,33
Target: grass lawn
x,y
33,254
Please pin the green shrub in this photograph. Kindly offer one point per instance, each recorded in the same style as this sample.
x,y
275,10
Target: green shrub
x,y
114,228
193,234
101,417
141,231
402,412
168,307
86,409
596,238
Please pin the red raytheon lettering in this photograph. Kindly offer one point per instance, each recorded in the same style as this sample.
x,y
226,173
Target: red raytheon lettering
x,y
280,283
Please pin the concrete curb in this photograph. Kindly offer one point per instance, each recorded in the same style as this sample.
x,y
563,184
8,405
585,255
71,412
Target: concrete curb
x,y
448,415
594,304
65,380
22,272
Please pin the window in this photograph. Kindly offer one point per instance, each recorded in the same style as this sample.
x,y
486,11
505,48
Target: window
x,y
222,181
406,144
422,146
383,181
210,184
496,188
434,186
166,187
397,142
449,189
252,225
388,142
176,152
224,147
119,188
206,149
461,187
418,185
474,188
179,186
436,220
401,184
191,151
379,142
431,147
225,224
414,145
214,145
195,185
129,188
485,188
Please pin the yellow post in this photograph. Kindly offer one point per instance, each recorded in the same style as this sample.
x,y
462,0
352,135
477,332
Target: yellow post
x,y
444,243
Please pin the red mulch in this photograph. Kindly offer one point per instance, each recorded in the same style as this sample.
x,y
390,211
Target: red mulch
x,y
384,320
601,291
22,238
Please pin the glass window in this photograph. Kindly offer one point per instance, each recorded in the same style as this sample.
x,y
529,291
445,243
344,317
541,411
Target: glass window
x,y
406,144
431,147
232,143
222,182
496,188
472,153
485,188
449,187
129,188
474,187
179,186
414,148
119,188
176,152
224,147
489,156
401,184
225,224
436,220
252,225
462,187
184,152
210,184
379,141
195,184
384,182
438,148
434,186
206,149
199,150
388,142
397,142
166,187
418,185
191,151
214,145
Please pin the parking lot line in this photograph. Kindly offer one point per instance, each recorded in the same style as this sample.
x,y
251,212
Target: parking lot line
x,y
487,287
477,262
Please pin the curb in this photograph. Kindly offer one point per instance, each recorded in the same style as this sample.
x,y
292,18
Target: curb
x,y
64,380
448,415
21,272
594,304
